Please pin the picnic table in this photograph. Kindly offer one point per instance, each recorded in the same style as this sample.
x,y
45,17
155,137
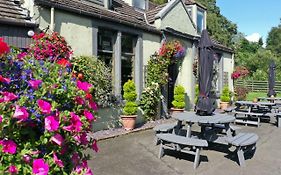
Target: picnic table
x,y
215,121
270,99
209,124
247,110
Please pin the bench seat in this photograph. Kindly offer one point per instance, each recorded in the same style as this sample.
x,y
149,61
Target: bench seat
x,y
244,119
167,127
243,142
180,143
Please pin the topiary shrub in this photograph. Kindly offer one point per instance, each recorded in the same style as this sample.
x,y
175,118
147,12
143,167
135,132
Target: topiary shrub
x,y
130,96
179,100
225,97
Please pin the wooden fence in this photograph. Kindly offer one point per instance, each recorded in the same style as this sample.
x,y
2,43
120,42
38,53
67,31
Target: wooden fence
x,y
257,85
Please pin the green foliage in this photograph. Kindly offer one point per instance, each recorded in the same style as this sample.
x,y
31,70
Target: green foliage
x,y
149,100
159,1
196,92
179,99
98,74
130,96
225,96
219,27
273,40
240,93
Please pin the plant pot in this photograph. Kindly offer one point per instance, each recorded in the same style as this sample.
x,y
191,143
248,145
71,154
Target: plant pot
x,y
128,121
224,105
176,110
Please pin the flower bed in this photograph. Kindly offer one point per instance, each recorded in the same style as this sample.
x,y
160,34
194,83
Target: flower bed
x,y
45,112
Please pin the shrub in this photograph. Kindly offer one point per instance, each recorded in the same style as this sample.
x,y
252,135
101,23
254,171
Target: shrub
x,y
241,93
45,115
96,72
225,97
179,99
130,97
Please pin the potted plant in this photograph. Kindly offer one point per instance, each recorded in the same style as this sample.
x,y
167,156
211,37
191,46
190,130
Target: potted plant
x,y
179,99
130,108
225,98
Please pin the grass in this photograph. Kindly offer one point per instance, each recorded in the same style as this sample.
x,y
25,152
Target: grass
x,y
252,95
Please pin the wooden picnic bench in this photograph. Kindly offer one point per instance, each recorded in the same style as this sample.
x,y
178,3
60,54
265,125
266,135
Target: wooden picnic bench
x,y
244,142
245,116
182,144
164,128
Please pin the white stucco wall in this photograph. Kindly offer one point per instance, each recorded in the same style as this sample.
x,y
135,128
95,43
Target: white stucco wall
x,y
151,44
178,19
228,66
77,30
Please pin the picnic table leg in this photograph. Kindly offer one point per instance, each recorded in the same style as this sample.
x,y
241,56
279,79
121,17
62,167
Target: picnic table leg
x,y
196,159
161,151
178,127
240,154
188,130
228,130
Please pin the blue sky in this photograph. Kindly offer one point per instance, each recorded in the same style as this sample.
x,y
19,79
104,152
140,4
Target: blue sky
x,y
253,17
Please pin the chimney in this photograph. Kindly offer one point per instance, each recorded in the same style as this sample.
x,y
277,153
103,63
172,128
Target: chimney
x,y
107,4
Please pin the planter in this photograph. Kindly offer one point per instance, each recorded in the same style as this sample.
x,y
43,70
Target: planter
x,y
128,121
176,110
224,105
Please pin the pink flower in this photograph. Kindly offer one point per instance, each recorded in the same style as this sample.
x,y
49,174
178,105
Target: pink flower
x,y
20,113
44,106
84,86
8,146
4,80
58,161
8,96
34,83
82,138
58,139
1,118
83,167
95,146
89,115
75,158
79,100
26,158
13,169
4,48
39,167
51,124
76,124
93,105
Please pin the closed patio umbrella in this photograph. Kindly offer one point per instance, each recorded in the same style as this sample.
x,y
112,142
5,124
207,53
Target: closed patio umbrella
x,y
204,104
271,80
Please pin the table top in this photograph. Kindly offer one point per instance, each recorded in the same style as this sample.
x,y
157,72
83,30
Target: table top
x,y
269,98
250,103
213,119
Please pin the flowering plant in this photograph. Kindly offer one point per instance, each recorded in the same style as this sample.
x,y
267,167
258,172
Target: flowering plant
x,y
240,72
45,117
172,49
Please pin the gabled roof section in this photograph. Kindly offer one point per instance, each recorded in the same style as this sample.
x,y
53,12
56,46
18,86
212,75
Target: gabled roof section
x,y
12,13
222,47
153,12
193,2
120,12
170,5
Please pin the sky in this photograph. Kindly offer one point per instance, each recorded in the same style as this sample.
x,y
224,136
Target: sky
x,y
254,18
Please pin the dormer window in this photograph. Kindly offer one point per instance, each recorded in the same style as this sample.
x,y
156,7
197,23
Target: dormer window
x,y
200,20
140,4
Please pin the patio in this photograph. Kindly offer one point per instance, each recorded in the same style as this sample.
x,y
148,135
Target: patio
x,y
136,154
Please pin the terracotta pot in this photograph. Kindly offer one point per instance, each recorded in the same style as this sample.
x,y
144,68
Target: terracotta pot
x,y
176,110
129,121
224,105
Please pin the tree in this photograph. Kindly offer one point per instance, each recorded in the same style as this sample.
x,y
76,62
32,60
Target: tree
x,y
273,40
219,27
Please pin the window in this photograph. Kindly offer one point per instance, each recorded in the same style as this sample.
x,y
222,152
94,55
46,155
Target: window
x,y
105,46
200,20
127,58
141,4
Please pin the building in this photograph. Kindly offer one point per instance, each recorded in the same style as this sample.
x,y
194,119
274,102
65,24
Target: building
x,y
15,23
125,33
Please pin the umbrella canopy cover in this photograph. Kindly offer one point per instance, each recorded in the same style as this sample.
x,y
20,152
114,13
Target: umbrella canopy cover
x,y
204,104
271,80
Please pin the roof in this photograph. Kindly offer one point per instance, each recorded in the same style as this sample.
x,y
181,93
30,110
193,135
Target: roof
x,y
220,46
12,13
121,12
150,15
193,2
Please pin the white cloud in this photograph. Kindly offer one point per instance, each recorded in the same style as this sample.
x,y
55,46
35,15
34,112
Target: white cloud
x,y
254,37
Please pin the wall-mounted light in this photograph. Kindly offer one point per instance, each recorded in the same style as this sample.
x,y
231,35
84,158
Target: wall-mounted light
x,y
30,33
